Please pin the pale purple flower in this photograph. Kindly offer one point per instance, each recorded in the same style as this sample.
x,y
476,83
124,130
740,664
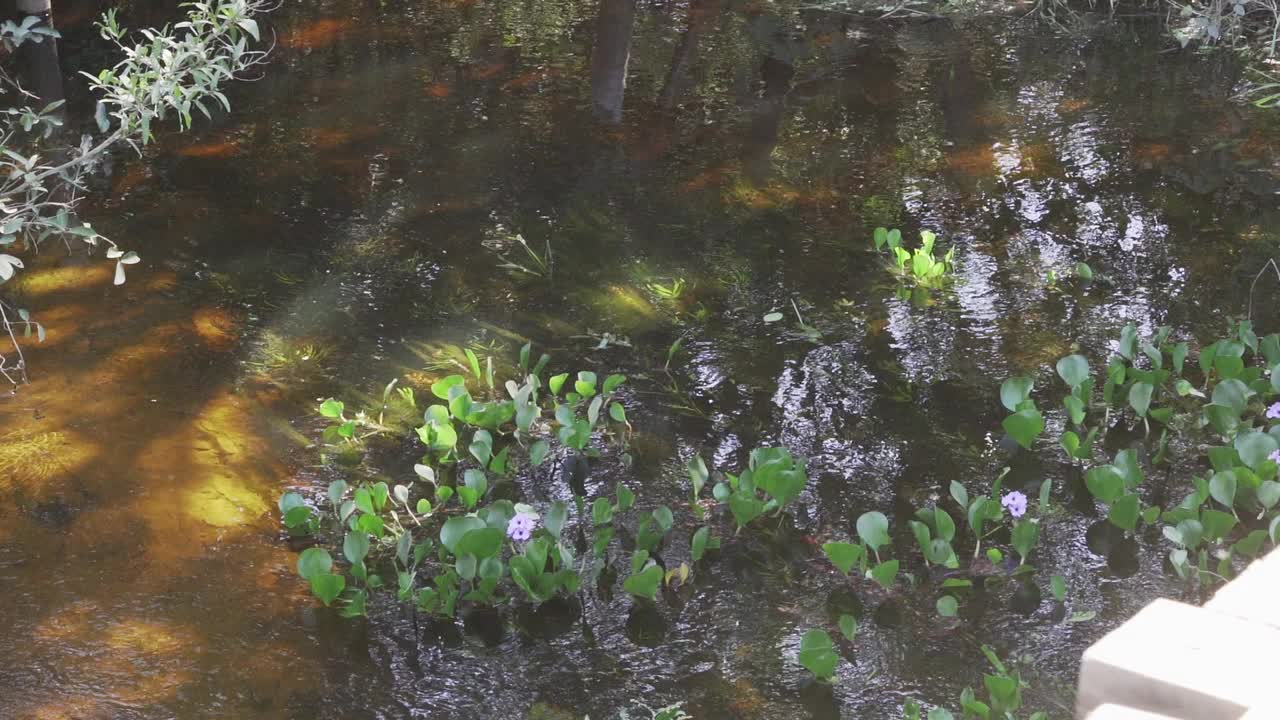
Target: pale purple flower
x,y
1016,503
1273,412
521,528
1274,457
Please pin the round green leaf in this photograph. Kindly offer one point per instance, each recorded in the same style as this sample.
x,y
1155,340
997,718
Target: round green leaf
x,y
289,501
1269,493
1058,586
817,654
1105,483
947,606
1233,394
314,561
327,586
297,516
644,583
1124,512
1255,447
482,543
1073,369
355,546
848,627
873,528
1222,487
1014,390
1024,426
331,408
456,527
843,555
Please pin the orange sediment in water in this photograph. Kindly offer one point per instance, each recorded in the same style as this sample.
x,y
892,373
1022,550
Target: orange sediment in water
x,y
318,34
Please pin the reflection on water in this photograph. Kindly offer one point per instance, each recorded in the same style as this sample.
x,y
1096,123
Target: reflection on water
x,y
338,230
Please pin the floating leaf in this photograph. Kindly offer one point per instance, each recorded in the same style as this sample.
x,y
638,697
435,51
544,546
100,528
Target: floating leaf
x,y
538,452
314,561
355,546
1233,394
773,317
947,606
698,474
1024,536
1105,483
1255,447
1217,524
817,654
1073,369
455,528
481,542
843,555
848,627
1014,391
1128,341
327,586
884,573
645,583
617,412
1124,512
873,528
1222,487
745,508
1024,426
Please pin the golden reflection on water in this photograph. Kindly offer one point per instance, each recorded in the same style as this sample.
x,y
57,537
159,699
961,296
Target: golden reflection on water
x,y
29,459
140,491
61,281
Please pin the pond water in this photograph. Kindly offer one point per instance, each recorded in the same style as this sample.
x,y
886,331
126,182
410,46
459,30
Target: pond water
x,y
344,226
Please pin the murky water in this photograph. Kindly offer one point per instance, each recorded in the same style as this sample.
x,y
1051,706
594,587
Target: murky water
x,y
344,226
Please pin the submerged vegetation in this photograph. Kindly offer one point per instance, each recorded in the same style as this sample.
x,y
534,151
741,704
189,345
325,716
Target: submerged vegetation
x,y
920,265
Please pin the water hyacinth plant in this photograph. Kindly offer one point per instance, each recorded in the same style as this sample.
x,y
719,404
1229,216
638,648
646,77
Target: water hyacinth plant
x,y
1229,407
451,542
921,265
1002,698
447,542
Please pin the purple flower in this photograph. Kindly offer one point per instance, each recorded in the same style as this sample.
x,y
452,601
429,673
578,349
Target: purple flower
x,y
1274,457
521,528
1273,412
1016,503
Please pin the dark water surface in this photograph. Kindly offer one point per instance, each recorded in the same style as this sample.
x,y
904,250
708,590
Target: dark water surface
x,y
343,227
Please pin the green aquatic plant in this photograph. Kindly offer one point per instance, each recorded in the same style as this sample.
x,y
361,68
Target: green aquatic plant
x,y
805,331
443,540
817,654
1080,271
1229,512
534,263
773,479
921,264
670,292
1026,423
1002,698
